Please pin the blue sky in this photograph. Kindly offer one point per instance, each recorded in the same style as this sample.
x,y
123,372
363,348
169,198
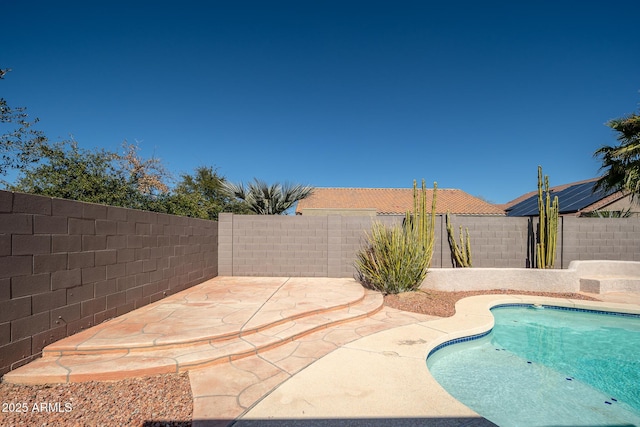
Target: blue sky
x,y
473,95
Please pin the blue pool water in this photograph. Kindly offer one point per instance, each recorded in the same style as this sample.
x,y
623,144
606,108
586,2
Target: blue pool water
x,y
547,366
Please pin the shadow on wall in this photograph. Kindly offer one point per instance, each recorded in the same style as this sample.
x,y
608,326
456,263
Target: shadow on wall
x,y
351,422
531,244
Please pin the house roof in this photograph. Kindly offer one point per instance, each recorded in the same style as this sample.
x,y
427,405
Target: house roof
x,y
572,198
395,201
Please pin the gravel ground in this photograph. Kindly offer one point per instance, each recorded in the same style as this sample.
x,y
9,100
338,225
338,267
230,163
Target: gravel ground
x,y
162,400
440,303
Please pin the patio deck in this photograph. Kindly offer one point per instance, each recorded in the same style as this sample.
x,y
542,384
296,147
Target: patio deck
x,y
310,351
239,337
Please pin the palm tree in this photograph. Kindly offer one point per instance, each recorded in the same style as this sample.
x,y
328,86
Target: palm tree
x,y
265,199
622,162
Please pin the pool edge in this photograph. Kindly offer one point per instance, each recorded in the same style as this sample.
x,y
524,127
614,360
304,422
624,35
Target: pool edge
x,y
479,307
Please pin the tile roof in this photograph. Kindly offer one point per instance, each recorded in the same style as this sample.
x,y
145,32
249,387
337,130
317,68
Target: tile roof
x,y
394,201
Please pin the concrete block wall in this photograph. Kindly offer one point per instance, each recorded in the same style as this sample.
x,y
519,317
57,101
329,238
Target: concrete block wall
x,y
320,246
67,265
495,241
311,246
352,237
600,239
267,245
327,245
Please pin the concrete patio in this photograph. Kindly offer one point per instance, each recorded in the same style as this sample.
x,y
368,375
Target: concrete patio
x,y
313,351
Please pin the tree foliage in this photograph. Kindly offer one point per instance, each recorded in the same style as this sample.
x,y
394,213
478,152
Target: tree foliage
x,y
269,199
19,141
203,195
67,171
621,163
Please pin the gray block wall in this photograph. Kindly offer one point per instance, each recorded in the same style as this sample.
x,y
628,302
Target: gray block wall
x,y
495,241
266,245
600,239
311,246
327,245
67,265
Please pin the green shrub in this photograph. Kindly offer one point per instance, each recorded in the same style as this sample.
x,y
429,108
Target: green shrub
x,y
393,260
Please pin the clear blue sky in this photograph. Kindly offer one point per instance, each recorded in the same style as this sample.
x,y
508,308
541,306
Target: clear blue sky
x,y
473,95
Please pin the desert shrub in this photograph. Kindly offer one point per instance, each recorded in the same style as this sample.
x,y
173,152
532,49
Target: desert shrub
x,y
393,260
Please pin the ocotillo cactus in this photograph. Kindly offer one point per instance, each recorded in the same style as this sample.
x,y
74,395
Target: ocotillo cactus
x,y
461,255
424,224
548,225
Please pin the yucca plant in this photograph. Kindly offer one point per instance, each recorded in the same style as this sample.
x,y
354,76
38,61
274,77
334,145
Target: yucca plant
x,y
394,259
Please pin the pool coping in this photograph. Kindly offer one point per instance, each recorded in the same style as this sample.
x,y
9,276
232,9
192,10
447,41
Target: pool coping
x,y
402,387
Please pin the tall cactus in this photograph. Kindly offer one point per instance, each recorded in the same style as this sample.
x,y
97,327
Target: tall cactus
x,y
548,224
420,221
460,255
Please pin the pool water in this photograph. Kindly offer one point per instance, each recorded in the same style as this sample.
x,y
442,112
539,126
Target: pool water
x,y
547,366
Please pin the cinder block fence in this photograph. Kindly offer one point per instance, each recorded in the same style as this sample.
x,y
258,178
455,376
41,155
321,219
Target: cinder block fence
x,y
326,245
67,265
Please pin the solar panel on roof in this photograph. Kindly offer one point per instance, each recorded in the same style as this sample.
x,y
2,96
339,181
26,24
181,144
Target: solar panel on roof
x,y
571,199
527,207
580,196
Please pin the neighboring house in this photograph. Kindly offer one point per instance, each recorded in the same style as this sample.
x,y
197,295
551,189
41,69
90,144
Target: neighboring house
x,y
390,201
577,199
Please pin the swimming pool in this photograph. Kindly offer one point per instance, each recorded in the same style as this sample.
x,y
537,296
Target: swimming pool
x,y
550,366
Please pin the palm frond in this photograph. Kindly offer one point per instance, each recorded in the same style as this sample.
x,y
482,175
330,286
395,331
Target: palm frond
x,y
268,199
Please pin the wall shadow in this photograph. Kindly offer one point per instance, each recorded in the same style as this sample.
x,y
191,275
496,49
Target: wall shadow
x,y
349,422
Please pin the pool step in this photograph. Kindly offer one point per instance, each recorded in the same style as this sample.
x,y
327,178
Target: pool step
x,y
64,364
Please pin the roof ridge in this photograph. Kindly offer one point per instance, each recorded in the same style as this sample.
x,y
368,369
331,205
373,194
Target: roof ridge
x,y
383,188
390,200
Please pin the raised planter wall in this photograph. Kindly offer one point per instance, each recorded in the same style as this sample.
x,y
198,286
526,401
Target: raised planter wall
x,y
571,279
523,279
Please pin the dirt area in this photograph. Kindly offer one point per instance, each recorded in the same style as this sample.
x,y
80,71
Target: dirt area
x,y
162,400
440,303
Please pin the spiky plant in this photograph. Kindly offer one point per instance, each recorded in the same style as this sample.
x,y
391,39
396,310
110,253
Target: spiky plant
x,y
268,199
548,224
423,223
461,255
394,259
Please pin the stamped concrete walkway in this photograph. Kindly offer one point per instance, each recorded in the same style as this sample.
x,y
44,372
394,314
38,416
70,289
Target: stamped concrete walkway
x,y
383,380
239,338
223,319
285,351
